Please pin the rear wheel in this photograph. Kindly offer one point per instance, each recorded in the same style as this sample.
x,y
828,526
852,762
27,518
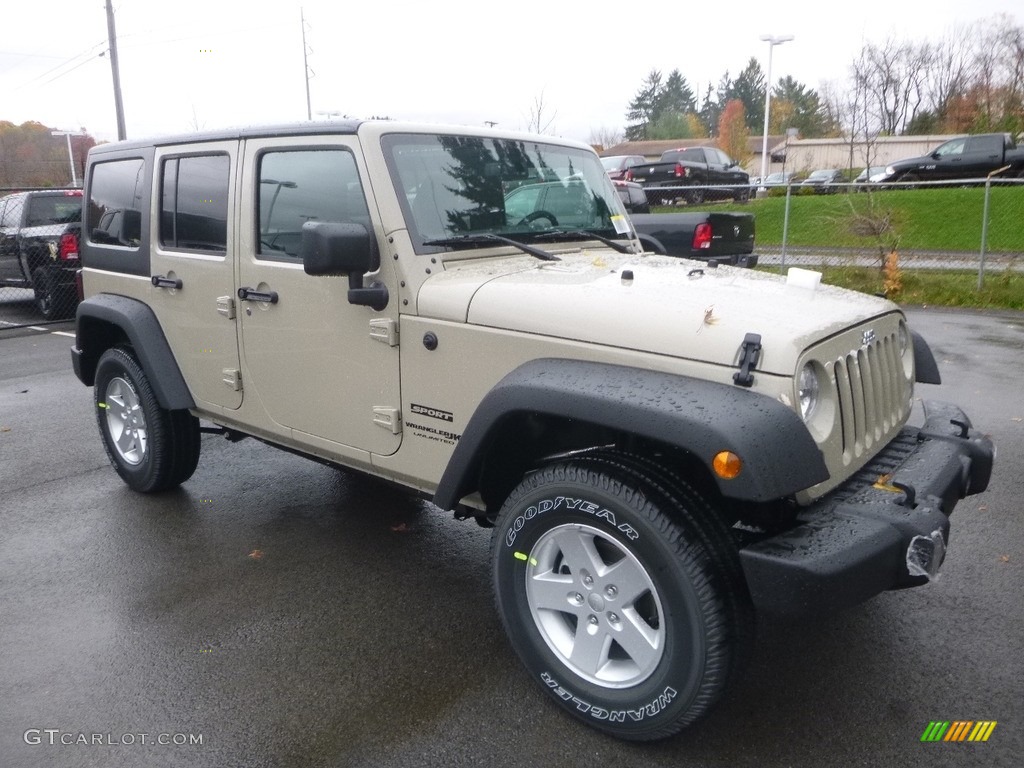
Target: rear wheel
x,y
695,196
52,301
622,594
151,448
741,194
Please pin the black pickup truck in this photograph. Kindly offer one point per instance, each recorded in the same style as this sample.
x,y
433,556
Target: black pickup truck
x,y
39,247
726,238
694,174
966,157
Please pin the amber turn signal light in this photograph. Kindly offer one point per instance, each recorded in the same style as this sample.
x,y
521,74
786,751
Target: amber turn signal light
x,y
727,465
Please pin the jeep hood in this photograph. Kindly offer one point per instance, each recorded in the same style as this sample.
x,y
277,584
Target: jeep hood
x,y
675,307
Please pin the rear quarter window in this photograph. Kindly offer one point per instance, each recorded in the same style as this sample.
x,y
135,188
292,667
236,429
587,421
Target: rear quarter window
x,y
116,195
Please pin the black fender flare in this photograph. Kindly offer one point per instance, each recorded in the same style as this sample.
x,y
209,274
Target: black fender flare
x,y
97,321
926,370
779,455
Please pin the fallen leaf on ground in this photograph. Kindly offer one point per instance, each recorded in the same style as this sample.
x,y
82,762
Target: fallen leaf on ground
x,y
399,528
1004,558
256,554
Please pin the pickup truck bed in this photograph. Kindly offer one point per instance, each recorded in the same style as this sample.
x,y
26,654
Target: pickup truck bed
x,y
725,237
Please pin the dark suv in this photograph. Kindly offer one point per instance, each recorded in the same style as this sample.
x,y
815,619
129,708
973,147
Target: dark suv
x,y
39,247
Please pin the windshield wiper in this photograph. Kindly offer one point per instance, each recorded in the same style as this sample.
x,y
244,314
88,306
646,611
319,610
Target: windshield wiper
x,y
485,237
569,234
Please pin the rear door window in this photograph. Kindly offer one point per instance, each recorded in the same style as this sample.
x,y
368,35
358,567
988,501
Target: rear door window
x,y
194,203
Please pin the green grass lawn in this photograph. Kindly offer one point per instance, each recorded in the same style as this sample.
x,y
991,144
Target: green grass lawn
x,y
928,219
941,219
928,287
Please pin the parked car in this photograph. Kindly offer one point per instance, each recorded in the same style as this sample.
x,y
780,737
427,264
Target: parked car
x,y
617,165
725,238
871,175
39,247
824,181
779,179
692,173
632,196
966,157
664,452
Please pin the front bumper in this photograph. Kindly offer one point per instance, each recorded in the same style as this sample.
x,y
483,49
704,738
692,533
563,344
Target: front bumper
x,y
882,529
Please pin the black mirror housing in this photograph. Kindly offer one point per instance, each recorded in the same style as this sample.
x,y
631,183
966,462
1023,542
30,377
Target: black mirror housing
x,y
336,249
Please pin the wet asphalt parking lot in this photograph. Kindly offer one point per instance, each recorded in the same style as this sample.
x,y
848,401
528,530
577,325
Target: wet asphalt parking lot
x,y
276,612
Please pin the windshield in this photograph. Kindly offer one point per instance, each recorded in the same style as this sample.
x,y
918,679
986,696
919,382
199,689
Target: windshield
x,y
458,188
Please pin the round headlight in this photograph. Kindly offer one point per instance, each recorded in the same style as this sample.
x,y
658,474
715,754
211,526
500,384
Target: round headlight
x,y
808,390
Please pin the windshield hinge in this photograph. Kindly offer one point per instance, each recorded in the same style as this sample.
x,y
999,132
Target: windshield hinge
x,y
750,353
385,330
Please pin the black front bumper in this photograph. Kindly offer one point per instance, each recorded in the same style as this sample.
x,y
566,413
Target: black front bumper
x,y
854,542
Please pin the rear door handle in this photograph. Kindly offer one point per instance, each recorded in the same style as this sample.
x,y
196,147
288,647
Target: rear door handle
x,y
160,281
249,294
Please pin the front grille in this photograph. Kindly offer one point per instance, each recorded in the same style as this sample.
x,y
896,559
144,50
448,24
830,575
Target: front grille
x,y
872,394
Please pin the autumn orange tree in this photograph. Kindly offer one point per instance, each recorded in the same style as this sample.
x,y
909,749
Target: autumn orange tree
x,y
733,134
30,156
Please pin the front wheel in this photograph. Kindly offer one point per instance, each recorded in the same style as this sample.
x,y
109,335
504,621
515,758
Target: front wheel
x,y
150,447
619,591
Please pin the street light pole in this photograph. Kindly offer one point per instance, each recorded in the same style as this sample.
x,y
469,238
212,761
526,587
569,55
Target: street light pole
x,y
71,156
772,41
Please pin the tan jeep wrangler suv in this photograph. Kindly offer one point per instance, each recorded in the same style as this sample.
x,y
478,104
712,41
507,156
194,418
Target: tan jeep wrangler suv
x,y
663,447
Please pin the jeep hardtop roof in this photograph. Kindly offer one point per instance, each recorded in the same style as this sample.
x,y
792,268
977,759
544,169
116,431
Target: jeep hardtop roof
x,y
319,128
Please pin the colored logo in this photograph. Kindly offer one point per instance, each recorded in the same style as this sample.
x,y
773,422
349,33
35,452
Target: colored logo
x,y
958,730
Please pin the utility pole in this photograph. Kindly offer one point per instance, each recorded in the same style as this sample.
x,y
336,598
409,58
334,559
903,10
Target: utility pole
x,y
112,39
305,63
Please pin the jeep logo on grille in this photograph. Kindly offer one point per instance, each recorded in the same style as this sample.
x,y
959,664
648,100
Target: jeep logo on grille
x,y
867,337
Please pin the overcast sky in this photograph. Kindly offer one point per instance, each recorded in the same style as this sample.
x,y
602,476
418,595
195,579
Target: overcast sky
x,y
217,63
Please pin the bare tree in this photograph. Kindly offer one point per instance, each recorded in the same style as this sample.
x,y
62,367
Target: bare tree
x,y
605,137
893,77
539,121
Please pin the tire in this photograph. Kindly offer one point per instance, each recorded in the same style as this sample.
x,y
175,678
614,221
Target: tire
x,y
151,448
741,195
695,197
622,594
50,299
911,180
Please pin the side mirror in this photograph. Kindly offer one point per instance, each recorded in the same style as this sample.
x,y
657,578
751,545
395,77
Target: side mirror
x,y
335,249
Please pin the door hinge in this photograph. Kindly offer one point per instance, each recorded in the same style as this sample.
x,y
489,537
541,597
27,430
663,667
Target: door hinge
x,y
233,378
385,330
226,306
389,418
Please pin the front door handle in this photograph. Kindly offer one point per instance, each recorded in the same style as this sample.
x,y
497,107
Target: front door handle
x,y
250,294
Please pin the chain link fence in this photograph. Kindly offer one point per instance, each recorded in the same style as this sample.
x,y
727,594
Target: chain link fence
x,y
39,231
969,225
981,228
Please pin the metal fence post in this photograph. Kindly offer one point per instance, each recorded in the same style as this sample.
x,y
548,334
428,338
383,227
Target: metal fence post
x,y
984,232
785,224
984,224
